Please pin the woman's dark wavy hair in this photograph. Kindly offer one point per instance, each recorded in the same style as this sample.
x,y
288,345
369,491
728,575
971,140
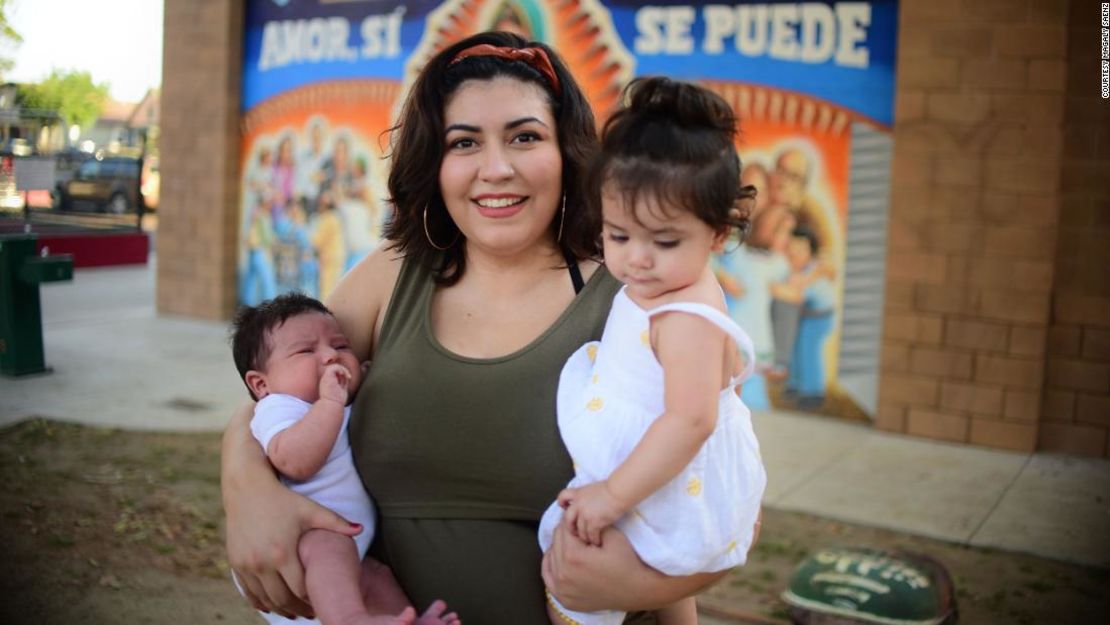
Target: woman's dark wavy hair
x,y
418,147
673,144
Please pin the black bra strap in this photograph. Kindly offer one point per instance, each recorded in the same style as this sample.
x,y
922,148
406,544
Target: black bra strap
x,y
575,272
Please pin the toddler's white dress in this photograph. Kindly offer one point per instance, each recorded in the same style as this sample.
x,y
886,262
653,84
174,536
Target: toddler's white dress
x,y
610,392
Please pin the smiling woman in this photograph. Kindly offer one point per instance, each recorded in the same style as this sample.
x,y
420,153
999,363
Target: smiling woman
x,y
489,282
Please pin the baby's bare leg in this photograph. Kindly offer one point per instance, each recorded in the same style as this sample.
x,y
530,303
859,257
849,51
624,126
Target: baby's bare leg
x,y
681,612
380,590
383,595
332,572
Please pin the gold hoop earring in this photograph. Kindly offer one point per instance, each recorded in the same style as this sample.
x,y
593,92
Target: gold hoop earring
x,y
428,235
562,218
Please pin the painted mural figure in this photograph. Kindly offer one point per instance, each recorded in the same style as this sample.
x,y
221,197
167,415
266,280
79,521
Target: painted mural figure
x,y
751,276
327,237
320,215
807,381
310,165
788,185
258,281
679,473
356,208
767,293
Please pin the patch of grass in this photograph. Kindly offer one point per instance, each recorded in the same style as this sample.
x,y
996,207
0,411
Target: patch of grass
x,y
57,540
774,548
1039,586
780,612
996,600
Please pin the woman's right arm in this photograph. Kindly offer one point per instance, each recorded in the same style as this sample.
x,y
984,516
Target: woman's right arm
x,y
265,521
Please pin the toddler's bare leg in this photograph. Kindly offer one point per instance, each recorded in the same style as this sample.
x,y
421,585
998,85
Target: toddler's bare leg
x,y
681,612
332,577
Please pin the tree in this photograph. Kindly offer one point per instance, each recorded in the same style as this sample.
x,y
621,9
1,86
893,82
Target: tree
x,y
71,93
8,36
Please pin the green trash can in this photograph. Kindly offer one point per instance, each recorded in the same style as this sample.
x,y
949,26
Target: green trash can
x,y
21,273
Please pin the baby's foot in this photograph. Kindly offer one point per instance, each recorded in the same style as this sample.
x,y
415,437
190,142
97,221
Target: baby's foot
x,y
406,617
434,615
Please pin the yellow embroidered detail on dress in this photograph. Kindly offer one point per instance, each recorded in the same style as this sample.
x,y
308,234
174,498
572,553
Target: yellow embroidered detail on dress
x,y
595,404
593,380
731,547
591,352
645,338
693,487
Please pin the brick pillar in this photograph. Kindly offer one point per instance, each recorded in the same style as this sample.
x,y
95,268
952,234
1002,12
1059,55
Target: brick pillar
x,y
198,221
976,193
1077,393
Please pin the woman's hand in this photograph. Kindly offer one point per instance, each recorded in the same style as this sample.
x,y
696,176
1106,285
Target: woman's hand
x,y
265,521
611,577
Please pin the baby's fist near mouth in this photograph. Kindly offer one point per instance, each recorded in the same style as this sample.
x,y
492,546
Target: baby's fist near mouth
x,y
333,384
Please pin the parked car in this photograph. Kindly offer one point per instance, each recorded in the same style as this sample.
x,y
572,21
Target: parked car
x,y
17,147
109,184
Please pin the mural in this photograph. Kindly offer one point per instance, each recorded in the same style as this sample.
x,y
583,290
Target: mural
x,y
322,81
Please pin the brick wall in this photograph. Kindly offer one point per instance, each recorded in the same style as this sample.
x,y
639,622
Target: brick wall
x,y
199,158
1077,389
977,173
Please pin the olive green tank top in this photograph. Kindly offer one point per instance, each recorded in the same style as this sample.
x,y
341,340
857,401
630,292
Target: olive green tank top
x,y
438,435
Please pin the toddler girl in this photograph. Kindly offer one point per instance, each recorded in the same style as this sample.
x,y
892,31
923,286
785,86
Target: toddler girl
x,y
662,445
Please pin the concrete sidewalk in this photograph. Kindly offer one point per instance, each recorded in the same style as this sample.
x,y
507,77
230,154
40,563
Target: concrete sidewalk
x,y
117,363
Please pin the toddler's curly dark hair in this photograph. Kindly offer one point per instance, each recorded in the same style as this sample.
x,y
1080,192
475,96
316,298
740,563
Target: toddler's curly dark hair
x,y
673,142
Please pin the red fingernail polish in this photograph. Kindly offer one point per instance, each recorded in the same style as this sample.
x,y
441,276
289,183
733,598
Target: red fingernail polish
x,y
356,525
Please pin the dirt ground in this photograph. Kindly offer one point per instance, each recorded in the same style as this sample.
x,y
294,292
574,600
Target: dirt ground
x,y
104,526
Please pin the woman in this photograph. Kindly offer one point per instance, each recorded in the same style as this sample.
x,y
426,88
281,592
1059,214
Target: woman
x,y
488,284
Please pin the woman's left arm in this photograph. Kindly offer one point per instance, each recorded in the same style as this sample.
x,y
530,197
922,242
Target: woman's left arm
x,y
612,576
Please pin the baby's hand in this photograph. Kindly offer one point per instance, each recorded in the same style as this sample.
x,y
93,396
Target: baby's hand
x,y
333,384
590,509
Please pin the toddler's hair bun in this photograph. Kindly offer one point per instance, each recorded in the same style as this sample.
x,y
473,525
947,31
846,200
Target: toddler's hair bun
x,y
680,103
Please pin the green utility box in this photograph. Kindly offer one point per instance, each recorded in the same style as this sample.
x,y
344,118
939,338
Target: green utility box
x,y
21,273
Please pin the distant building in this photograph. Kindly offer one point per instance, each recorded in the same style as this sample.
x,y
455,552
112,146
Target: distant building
x,y
110,132
25,131
123,127
143,122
